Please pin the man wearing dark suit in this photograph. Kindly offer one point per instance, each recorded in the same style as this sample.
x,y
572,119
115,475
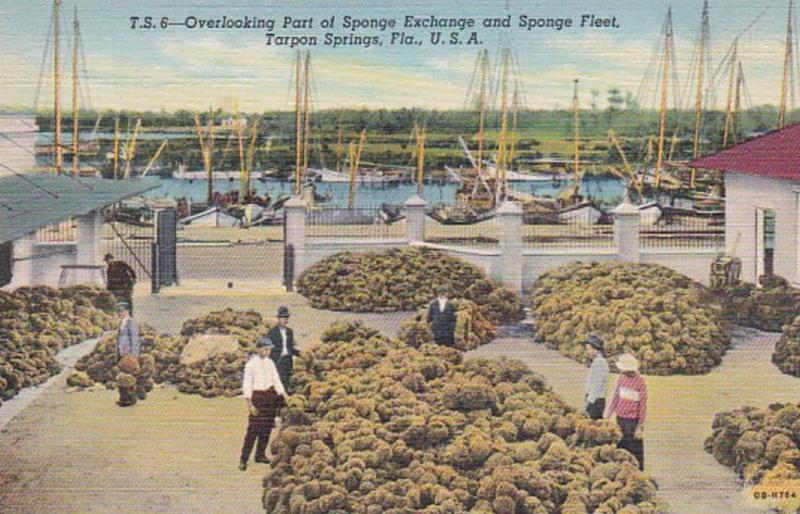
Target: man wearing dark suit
x,y
442,319
283,350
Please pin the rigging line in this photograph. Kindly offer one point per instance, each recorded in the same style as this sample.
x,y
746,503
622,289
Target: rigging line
x,y
43,63
472,80
85,81
31,182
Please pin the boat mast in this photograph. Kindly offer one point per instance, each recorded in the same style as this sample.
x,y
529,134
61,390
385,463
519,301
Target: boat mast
x,y
355,161
420,132
251,153
729,114
306,112
56,83
502,142
512,151
787,63
298,117
662,126
244,179
116,149
698,101
576,135
75,127
339,142
484,64
737,103
131,149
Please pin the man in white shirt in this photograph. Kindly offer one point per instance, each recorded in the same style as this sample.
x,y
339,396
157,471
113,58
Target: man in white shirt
x,y
265,395
597,382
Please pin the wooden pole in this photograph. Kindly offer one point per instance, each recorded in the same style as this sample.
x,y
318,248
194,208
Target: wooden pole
x,y
698,100
730,102
57,83
298,117
75,125
662,125
306,113
787,64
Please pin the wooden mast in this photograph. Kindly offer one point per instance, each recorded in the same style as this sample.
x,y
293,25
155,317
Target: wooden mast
x,y
576,135
737,103
662,125
512,151
116,148
484,63
298,117
56,83
75,126
730,102
339,142
698,101
306,113
787,63
355,161
420,132
503,139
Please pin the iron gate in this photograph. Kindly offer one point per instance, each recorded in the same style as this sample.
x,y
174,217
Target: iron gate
x,y
164,250
146,241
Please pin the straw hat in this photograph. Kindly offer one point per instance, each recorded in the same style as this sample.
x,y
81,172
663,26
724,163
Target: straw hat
x,y
627,362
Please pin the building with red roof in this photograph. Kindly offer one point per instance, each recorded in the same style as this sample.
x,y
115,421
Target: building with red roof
x,y
762,202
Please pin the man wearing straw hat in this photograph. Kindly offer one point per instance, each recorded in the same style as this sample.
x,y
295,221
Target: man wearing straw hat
x,y
265,395
597,382
629,406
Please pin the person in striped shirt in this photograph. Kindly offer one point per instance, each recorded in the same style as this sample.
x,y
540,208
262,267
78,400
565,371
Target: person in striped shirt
x,y
629,406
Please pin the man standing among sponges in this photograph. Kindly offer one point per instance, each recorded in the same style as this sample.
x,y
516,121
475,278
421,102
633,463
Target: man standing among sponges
x,y
598,378
265,395
442,318
283,349
128,348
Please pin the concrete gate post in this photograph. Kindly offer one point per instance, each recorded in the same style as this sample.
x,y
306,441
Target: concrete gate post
x,y
415,219
87,250
626,231
295,235
509,216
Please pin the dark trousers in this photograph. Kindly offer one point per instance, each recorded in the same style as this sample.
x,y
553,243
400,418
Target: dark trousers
x,y
260,426
284,366
630,443
596,408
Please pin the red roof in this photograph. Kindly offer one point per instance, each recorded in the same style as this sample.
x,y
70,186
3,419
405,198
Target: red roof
x,y
776,155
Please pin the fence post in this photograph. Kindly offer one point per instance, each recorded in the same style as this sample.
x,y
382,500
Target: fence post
x,y
295,235
415,219
510,218
626,231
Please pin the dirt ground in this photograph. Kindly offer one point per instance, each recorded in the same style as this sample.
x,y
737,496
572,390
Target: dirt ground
x,y
76,452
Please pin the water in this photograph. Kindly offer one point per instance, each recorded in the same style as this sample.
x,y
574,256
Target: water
x,y
606,191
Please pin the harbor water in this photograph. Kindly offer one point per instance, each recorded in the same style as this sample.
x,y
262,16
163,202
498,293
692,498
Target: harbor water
x,y
605,191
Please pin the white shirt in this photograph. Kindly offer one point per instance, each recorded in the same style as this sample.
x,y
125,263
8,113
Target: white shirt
x,y
442,303
259,375
598,379
285,350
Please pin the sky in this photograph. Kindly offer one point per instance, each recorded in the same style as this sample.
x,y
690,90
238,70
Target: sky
x,y
181,68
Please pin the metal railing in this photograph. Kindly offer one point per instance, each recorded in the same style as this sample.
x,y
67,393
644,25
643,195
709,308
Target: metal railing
x,y
581,235
679,231
63,232
483,234
356,223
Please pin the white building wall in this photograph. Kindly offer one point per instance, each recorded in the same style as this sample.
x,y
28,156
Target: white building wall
x,y
19,152
744,194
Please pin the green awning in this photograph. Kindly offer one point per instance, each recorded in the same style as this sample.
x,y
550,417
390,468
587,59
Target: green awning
x,y
35,200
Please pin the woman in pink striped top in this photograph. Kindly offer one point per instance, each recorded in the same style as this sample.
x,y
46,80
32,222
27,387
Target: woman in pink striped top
x,y
629,406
